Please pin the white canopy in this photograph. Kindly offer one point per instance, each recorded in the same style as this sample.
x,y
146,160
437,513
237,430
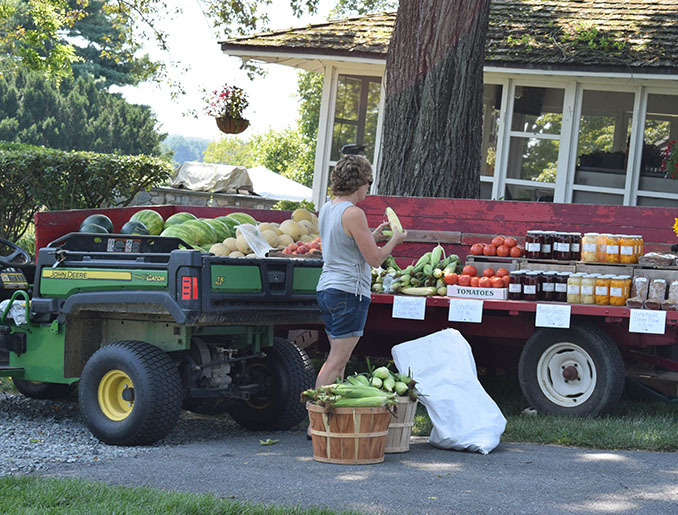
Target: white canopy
x,y
274,186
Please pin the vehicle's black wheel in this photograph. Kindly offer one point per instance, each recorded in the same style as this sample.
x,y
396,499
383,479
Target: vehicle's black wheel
x,y
285,372
209,407
39,390
576,371
130,393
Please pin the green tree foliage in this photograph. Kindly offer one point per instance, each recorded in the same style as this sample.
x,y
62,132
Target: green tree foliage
x,y
351,7
231,151
185,149
73,115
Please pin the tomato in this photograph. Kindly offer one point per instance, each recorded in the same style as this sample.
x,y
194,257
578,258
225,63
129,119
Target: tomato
x,y
469,270
516,251
497,282
510,242
490,250
475,281
488,272
497,240
501,272
507,280
477,249
503,251
464,280
451,278
485,282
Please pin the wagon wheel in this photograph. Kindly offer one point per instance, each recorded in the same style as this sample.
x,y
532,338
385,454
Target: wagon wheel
x,y
576,371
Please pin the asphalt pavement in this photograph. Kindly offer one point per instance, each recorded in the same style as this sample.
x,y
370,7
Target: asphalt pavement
x,y
513,478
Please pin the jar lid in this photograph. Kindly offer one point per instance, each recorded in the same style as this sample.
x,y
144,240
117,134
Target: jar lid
x,y
591,233
566,273
550,272
533,272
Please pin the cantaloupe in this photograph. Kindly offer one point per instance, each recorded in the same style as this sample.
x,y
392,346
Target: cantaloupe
x,y
242,245
219,249
271,237
291,228
284,240
231,244
302,214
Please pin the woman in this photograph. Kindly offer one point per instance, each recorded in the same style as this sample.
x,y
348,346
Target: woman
x,y
349,250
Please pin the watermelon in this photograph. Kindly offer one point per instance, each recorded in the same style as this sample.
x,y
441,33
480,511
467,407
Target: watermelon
x,y
243,218
151,219
100,220
187,234
222,230
203,232
133,227
179,218
231,223
89,227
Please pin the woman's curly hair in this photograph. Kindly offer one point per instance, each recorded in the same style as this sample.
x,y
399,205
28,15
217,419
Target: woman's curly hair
x,y
349,174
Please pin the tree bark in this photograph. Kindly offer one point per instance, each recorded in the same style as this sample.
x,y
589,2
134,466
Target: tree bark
x,y
434,90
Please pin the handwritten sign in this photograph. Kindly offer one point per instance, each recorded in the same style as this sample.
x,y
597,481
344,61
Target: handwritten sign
x,y
465,310
647,321
409,307
552,315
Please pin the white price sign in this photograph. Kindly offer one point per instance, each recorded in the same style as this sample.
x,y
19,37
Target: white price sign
x,y
409,307
647,321
553,315
465,310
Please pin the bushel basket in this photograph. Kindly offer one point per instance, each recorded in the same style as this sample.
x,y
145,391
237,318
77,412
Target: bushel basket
x,y
400,428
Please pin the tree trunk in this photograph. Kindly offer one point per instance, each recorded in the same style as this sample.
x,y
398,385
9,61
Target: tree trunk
x,y
434,91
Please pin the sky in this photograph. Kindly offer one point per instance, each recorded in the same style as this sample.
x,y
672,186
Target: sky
x,y
193,42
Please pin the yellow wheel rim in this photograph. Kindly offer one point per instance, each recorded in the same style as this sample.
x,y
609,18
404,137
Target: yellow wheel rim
x,y
116,395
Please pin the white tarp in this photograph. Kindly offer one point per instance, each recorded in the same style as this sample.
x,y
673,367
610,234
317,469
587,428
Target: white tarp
x,y
211,177
274,186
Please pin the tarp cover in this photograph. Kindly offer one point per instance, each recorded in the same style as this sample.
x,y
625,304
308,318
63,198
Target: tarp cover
x,y
211,177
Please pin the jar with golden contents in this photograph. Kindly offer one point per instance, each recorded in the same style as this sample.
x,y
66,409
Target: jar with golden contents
x,y
618,290
601,247
638,239
574,288
612,249
588,289
627,249
602,292
589,246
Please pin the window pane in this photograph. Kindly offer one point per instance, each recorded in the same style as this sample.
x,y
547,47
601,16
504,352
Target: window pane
x,y
661,127
533,159
491,105
604,129
371,116
344,133
348,98
534,193
592,197
537,110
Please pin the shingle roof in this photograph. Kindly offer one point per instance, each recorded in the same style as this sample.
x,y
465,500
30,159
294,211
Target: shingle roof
x,y
572,34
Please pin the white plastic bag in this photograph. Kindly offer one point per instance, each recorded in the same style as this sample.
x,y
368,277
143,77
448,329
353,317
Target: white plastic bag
x,y
464,416
254,239
17,312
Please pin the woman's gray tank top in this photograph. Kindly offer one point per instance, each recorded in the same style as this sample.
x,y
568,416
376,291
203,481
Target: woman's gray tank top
x,y
344,267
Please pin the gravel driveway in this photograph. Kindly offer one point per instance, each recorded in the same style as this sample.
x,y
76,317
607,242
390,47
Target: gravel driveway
x,y
216,456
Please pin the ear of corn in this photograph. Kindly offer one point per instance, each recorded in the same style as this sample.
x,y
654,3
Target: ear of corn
x,y
363,402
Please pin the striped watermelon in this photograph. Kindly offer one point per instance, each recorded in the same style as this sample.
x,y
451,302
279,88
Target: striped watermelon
x,y
179,218
151,219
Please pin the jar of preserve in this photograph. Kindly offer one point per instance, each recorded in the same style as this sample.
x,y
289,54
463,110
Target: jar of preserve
x,y
515,287
561,246
547,245
531,285
575,245
618,290
548,286
627,285
639,246
601,247
560,286
588,288
574,288
602,292
533,241
589,246
627,249
612,249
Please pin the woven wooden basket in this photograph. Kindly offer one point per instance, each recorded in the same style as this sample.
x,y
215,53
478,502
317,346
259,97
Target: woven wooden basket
x,y
232,125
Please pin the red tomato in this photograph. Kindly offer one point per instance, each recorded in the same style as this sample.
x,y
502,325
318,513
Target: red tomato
x,y
451,278
464,280
488,272
485,282
497,240
503,251
469,270
510,242
475,281
516,251
501,272
497,282
507,280
477,249
490,250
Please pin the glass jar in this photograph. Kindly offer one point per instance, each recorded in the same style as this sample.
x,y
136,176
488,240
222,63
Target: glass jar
x,y
515,287
639,245
618,290
560,286
588,288
589,247
547,245
602,292
601,247
627,249
548,286
575,246
561,246
612,249
531,285
533,241
574,288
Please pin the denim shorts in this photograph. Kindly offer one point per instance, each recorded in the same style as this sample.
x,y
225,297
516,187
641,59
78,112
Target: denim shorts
x,y
343,313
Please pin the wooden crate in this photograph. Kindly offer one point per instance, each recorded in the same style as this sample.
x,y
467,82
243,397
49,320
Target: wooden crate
x,y
605,268
548,265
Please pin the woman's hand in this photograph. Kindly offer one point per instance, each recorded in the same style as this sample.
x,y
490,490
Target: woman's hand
x,y
378,233
399,237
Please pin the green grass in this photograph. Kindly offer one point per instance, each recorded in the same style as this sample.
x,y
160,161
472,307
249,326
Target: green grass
x,y
34,495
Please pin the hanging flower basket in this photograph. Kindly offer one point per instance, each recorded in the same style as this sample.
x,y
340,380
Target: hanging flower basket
x,y
232,125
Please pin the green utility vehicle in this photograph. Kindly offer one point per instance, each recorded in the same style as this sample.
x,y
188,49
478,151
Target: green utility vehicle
x,y
145,327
